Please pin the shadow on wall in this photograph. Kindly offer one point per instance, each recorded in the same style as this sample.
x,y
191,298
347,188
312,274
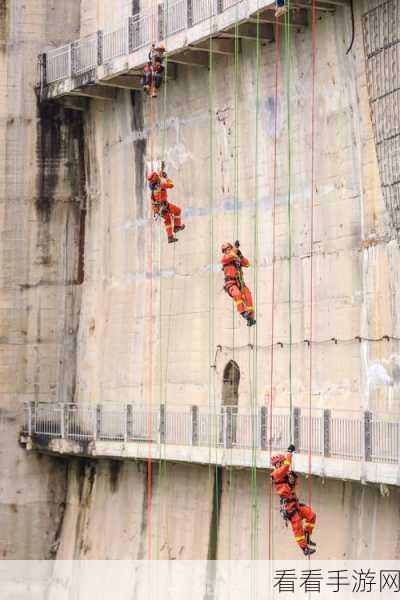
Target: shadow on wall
x,y
61,162
140,149
3,22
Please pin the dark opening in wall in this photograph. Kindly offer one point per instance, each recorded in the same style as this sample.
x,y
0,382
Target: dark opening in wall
x,y
230,399
230,384
3,22
140,149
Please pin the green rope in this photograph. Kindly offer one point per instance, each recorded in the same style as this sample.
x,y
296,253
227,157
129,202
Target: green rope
x,y
163,380
236,138
212,404
254,342
289,210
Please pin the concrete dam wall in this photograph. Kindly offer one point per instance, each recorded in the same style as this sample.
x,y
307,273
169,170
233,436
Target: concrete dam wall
x,y
97,308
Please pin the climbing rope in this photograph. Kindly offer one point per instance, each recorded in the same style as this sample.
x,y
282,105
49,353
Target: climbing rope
x,y
253,338
163,372
289,209
273,253
314,55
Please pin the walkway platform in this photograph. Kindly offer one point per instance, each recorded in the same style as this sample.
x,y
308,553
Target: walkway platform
x,y
345,444
97,65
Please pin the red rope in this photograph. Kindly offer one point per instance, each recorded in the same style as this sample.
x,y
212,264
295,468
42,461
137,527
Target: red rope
x,y
271,385
314,53
149,419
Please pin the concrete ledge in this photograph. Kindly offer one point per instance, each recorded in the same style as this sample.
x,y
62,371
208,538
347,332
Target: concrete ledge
x,y
335,468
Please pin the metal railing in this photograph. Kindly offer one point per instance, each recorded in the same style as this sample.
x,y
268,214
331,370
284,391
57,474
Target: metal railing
x,y
84,55
202,10
381,33
58,63
116,42
343,434
141,31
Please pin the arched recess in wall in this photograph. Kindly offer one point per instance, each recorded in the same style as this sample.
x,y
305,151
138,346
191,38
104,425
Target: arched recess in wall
x,y
230,400
230,384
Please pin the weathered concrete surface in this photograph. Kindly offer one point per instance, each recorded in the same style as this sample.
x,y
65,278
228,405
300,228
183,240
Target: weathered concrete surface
x,y
38,158
153,323
148,331
149,326
192,517
332,468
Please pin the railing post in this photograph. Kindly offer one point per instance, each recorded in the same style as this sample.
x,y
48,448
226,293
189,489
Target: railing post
x,y
98,422
31,417
43,70
189,13
228,427
99,47
129,422
263,427
327,431
62,420
162,423
162,22
220,6
296,427
71,59
367,435
194,411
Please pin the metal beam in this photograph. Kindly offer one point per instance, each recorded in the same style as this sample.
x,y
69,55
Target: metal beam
x,y
191,58
248,31
127,82
95,91
219,46
171,70
74,103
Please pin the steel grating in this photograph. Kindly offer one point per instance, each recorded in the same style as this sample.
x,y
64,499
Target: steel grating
x,y
381,31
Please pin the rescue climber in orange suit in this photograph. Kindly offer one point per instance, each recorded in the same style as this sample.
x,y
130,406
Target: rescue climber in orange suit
x,y
159,184
232,262
285,482
153,70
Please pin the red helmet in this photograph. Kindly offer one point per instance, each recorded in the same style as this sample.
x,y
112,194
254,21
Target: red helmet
x,y
278,458
153,177
225,246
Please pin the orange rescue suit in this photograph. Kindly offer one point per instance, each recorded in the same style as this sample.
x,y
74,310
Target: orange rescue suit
x,y
234,284
169,212
292,509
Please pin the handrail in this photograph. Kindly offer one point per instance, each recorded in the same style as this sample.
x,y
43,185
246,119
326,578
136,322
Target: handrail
x,y
349,435
83,55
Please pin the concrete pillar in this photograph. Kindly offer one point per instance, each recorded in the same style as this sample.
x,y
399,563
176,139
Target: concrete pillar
x,y
194,411
296,427
367,435
327,432
163,416
263,427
